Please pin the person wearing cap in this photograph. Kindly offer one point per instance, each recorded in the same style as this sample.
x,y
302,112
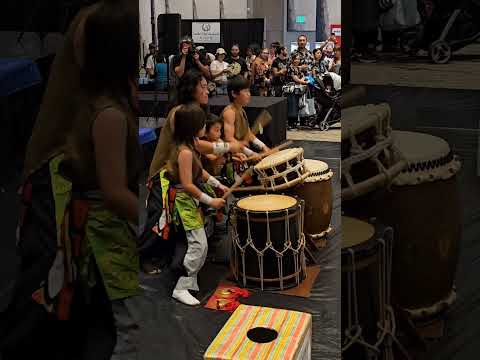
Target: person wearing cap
x,y
219,71
149,61
188,59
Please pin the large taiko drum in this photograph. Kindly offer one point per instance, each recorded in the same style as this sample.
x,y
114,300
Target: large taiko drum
x,y
423,207
268,242
366,312
282,170
317,193
370,160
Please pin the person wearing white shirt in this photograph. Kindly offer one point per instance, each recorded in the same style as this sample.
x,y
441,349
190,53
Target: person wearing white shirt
x,y
150,61
219,71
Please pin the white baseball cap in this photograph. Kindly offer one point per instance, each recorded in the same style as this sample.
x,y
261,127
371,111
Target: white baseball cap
x,y
221,51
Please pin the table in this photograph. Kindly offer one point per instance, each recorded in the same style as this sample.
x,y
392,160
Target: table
x,y
275,132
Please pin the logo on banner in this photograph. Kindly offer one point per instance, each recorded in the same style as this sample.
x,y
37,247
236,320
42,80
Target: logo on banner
x,y
206,33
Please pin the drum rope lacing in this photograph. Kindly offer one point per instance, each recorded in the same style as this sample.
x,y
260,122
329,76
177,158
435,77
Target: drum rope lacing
x,y
299,168
386,324
372,154
298,251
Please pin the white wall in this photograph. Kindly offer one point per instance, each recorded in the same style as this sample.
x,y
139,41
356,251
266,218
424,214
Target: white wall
x,y
334,11
207,9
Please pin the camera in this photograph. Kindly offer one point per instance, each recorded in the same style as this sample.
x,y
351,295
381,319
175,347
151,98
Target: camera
x,y
192,51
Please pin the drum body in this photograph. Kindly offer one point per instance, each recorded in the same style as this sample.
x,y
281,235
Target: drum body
x,y
317,193
369,157
268,242
366,260
423,207
282,170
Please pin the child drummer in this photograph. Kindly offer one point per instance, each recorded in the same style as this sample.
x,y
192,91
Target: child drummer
x,y
185,173
213,133
235,123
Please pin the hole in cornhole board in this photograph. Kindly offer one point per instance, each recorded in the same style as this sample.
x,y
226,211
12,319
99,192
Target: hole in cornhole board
x,y
262,335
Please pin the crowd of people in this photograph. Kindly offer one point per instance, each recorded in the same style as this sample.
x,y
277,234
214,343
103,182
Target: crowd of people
x,y
269,71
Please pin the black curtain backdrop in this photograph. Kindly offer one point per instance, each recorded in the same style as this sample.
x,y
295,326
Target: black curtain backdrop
x,y
236,31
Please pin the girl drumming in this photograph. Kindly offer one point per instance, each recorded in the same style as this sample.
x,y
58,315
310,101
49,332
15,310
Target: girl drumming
x,y
184,172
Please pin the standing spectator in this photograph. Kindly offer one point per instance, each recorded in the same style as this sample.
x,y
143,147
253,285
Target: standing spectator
x,y
161,74
306,57
249,57
260,81
279,70
337,61
319,66
219,71
188,59
273,52
236,58
365,22
150,61
295,74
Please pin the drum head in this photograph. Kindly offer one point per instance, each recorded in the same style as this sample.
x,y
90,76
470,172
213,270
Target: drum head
x,y
278,158
355,232
264,203
319,170
428,157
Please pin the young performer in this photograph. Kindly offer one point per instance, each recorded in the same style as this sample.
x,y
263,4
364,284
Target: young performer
x,y
235,121
211,162
185,173
155,253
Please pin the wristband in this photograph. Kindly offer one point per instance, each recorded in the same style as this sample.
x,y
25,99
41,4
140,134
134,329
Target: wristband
x,y
213,182
204,198
248,152
221,148
258,143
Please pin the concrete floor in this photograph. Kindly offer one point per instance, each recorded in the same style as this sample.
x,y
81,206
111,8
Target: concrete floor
x,y
462,72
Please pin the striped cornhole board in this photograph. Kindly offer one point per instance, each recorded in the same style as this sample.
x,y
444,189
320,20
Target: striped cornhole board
x,y
292,343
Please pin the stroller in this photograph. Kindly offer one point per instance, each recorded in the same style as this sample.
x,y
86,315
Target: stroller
x,y
448,27
326,96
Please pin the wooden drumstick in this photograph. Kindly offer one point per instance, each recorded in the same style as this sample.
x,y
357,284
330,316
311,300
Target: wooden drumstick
x,y
237,183
262,120
270,152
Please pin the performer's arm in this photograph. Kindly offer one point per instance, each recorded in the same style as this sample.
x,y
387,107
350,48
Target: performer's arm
x,y
185,161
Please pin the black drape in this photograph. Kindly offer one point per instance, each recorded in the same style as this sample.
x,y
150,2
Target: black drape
x,y
236,31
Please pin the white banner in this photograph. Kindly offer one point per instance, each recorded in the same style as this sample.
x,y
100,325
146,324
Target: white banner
x,y
206,32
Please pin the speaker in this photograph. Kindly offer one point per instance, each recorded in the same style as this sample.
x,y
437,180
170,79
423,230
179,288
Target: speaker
x,y
169,32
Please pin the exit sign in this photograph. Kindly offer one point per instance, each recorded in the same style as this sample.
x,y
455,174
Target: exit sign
x,y
300,19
